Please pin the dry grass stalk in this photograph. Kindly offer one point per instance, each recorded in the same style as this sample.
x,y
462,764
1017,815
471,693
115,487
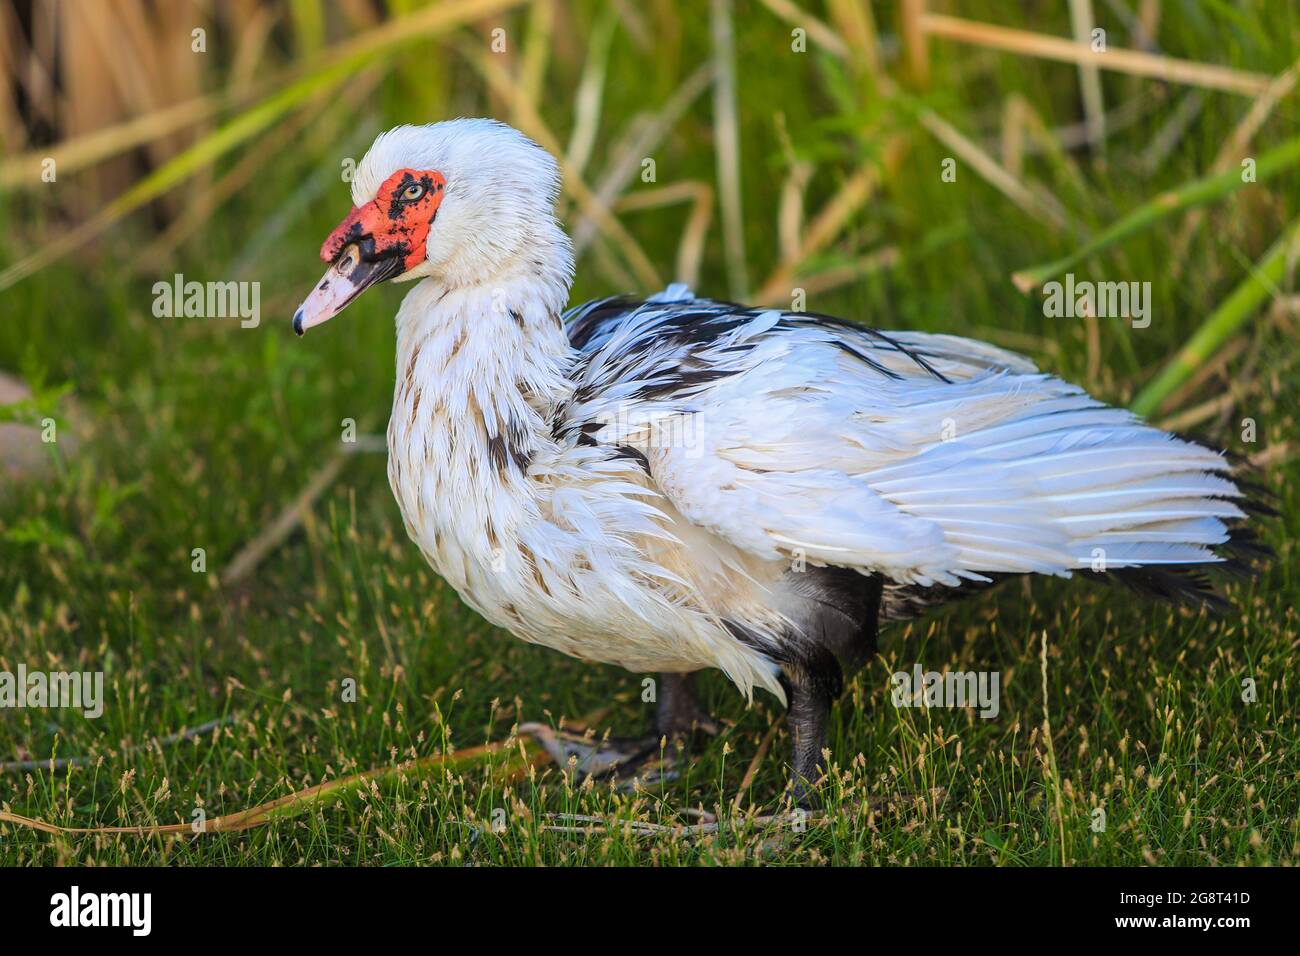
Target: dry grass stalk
x,y
116,60
854,22
789,216
1094,110
82,151
832,219
590,95
521,755
726,144
1214,367
828,279
1072,136
690,249
1132,62
610,266
1011,142
634,22
1278,455
252,44
829,223
818,32
1234,149
532,124
1025,133
332,67
642,140
1054,773
12,131
752,770
336,112
63,763
286,522
602,825
537,50
914,43
1172,132
35,65
200,207
1239,388
1036,203
1148,23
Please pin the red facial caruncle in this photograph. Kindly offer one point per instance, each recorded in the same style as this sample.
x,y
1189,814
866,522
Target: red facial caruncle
x,y
382,239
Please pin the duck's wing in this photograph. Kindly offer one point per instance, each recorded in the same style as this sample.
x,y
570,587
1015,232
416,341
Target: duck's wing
x,y
930,459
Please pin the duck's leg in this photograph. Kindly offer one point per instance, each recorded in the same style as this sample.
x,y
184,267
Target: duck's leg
x,y
634,761
833,646
680,712
809,707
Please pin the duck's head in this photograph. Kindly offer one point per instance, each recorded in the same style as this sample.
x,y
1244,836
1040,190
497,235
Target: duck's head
x,y
463,201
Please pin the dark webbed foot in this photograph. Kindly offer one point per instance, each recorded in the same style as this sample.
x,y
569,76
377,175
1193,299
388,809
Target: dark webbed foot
x,y
637,761
680,715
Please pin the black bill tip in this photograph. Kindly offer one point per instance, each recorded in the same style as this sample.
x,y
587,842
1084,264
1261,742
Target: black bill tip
x,y
297,322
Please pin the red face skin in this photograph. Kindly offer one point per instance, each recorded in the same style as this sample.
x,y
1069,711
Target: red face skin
x,y
377,241
397,220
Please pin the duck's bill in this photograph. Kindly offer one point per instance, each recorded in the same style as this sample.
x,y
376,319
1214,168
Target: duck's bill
x,y
347,278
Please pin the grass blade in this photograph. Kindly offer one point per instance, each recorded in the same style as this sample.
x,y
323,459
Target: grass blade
x,y
1239,306
1188,196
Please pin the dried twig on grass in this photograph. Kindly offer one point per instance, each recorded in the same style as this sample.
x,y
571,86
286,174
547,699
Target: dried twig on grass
x,y
63,763
788,820
519,755
598,825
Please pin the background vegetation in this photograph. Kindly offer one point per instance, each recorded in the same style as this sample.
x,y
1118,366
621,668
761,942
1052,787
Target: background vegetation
x,y
176,434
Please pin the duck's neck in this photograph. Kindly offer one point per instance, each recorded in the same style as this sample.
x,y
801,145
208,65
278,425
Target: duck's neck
x,y
479,369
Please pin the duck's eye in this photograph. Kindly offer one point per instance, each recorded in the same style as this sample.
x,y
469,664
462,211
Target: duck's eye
x,y
413,192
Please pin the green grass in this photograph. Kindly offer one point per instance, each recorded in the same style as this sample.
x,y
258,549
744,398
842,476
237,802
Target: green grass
x,y
203,432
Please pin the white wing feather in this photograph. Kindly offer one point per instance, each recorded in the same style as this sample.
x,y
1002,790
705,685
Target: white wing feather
x,y
789,444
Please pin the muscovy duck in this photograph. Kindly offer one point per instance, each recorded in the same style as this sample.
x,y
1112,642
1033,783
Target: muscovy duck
x,y
676,483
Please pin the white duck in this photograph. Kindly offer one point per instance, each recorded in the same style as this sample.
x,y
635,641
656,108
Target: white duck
x,y
677,483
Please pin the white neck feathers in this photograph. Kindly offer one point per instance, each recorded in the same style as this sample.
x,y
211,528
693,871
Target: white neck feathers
x,y
479,370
